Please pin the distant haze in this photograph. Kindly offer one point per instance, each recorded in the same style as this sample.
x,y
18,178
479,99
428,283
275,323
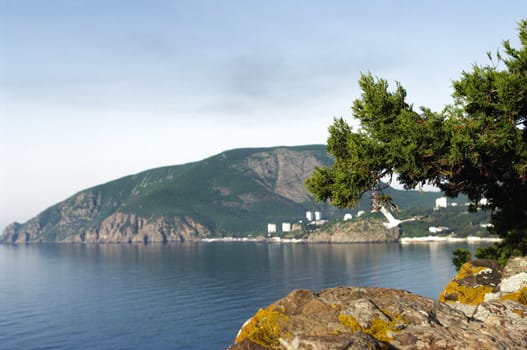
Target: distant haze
x,y
93,90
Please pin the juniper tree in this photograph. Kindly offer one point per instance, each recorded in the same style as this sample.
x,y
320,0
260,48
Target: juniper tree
x,y
476,146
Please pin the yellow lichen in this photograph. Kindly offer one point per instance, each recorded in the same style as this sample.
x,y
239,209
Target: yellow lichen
x,y
465,294
519,296
469,270
335,306
519,312
523,296
264,328
379,328
350,322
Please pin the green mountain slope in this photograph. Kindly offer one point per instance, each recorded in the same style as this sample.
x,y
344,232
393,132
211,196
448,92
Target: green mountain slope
x,y
233,193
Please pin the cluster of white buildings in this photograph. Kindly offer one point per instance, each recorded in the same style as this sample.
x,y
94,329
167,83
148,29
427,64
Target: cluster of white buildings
x,y
312,218
442,202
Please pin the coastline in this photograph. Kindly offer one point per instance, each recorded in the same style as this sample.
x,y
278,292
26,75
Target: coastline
x,y
279,240
448,239
403,240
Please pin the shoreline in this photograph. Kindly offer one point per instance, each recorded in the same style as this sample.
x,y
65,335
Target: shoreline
x,y
403,240
448,239
279,240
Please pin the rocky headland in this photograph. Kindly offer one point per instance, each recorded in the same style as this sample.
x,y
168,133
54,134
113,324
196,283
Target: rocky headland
x,y
483,307
235,193
357,231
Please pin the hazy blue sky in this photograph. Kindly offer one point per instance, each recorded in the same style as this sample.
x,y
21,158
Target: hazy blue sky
x,y
98,89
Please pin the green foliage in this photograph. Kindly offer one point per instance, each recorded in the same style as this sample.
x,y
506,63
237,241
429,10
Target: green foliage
x,y
457,219
499,252
222,192
477,146
460,256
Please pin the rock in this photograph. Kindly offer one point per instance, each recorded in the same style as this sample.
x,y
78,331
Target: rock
x,y
502,313
363,231
481,281
514,275
129,228
380,318
116,228
474,280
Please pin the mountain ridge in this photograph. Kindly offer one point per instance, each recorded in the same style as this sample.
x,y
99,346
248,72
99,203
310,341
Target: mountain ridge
x,y
236,192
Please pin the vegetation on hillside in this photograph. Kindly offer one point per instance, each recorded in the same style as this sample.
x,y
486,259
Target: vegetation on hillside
x,y
454,220
235,193
477,146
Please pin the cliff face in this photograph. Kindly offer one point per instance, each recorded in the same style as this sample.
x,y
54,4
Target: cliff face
x,y
129,228
284,172
234,193
116,228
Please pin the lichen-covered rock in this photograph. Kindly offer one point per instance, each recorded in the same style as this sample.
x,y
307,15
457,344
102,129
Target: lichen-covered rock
x,y
481,281
380,318
474,280
514,278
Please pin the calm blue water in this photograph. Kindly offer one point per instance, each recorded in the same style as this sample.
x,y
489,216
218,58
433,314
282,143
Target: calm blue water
x,y
184,296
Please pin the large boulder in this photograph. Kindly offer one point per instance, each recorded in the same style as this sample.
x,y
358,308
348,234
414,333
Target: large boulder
x,y
380,318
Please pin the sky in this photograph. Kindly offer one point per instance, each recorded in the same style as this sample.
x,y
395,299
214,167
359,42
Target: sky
x,y
93,90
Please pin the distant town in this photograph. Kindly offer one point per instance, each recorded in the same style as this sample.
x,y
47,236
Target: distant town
x,y
314,219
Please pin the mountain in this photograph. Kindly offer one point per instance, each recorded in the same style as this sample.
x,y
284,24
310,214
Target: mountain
x,y
234,193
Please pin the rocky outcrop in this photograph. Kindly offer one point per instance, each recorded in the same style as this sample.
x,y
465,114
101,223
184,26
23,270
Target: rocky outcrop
x,y
481,281
359,231
284,171
234,193
129,228
381,318
378,318
18,233
116,228
474,280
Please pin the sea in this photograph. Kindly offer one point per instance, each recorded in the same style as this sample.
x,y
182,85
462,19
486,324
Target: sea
x,y
186,295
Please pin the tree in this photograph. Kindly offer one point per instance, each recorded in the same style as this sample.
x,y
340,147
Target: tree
x,y
460,256
476,146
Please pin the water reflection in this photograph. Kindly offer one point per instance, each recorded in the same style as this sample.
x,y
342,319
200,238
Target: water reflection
x,y
157,296
313,266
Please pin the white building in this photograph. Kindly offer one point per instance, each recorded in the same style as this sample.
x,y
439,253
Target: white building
x,y
439,229
271,228
483,201
286,227
441,203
